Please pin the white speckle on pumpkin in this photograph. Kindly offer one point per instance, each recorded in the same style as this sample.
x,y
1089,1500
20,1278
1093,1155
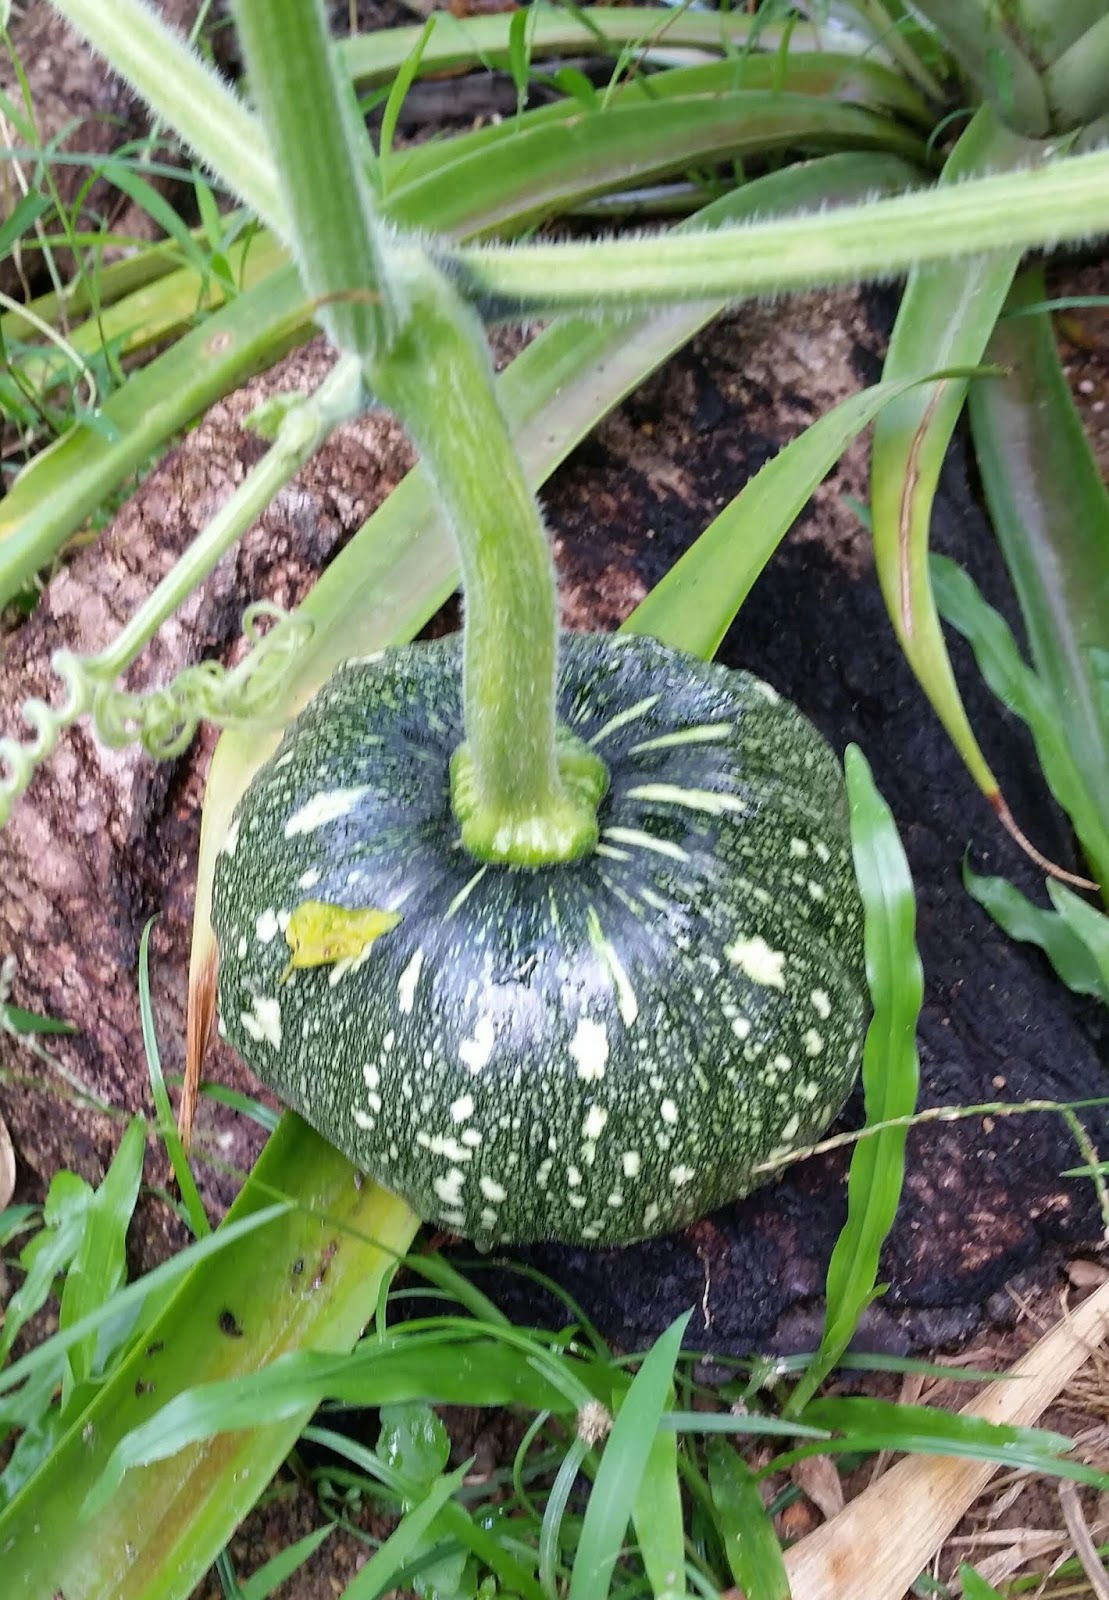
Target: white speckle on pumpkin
x,y
573,1177
741,1027
813,1042
449,1189
406,983
668,1111
821,1004
798,848
631,1162
328,806
231,839
594,1124
264,1022
492,1190
462,1108
372,1076
476,1051
680,1175
309,879
759,961
589,1048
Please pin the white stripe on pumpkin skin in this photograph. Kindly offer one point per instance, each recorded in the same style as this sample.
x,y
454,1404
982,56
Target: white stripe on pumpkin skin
x,y
323,808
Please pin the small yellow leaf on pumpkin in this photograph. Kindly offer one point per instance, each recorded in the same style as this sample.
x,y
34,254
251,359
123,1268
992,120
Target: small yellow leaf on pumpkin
x,y
320,934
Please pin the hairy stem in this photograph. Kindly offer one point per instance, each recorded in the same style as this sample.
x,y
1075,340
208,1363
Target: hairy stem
x,y
1063,201
186,94
520,796
323,155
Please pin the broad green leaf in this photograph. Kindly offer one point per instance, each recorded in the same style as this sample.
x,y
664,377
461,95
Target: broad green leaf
x,y
1023,692
1017,916
891,1068
1091,926
658,1517
1050,510
414,1441
539,172
311,1279
622,1466
832,77
1076,83
750,1543
379,1373
946,317
100,1264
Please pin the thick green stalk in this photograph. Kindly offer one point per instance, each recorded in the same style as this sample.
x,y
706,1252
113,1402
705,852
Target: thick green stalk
x,y
183,90
322,155
518,796
1064,201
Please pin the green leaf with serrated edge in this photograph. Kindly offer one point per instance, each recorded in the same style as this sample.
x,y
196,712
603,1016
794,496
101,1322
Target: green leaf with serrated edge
x,y
890,1073
946,316
1050,511
1024,693
622,1464
1017,916
831,77
750,1543
100,1264
541,171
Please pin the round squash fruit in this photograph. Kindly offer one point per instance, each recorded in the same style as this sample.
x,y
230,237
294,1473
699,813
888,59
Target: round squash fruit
x,y
593,1052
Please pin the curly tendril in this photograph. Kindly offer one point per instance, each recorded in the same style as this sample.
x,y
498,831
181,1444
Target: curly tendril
x,y
164,719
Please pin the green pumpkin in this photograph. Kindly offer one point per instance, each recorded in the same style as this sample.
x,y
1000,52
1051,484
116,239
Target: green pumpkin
x,y
591,1052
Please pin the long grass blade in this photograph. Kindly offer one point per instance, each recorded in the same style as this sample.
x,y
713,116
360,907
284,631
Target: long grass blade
x,y
1050,510
891,1069
698,598
946,317
622,1465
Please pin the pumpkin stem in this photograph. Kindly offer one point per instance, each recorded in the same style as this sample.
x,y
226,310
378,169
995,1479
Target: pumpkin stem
x,y
524,792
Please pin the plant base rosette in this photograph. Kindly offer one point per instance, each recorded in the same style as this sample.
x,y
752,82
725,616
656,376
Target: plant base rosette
x,y
598,1051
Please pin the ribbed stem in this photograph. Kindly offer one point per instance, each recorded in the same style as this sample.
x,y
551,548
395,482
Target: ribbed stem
x,y
522,794
322,153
